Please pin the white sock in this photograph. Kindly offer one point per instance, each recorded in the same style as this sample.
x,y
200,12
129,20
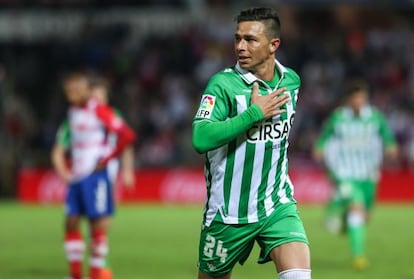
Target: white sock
x,y
295,273
355,219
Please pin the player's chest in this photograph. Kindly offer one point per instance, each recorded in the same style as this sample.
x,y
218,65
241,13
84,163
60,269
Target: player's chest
x,y
84,123
357,129
240,100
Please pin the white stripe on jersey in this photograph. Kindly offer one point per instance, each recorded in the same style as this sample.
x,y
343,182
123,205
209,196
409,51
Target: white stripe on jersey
x,y
239,156
269,204
255,182
283,171
282,190
257,174
216,199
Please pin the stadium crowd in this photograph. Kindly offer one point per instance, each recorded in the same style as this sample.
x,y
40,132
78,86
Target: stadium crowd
x,y
157,79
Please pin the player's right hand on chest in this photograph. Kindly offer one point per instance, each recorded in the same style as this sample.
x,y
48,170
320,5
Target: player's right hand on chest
x,y
270,104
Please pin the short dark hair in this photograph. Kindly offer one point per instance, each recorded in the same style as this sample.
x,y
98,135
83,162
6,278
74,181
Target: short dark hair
x,y
99,81
356,85
268,16
74,76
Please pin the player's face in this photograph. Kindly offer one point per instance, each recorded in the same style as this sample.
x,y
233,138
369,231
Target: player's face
x,y
77,91
358,100
252,46
100,93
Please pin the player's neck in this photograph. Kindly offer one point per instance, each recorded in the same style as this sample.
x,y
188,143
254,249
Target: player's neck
x,y
80,104
357,111
266,71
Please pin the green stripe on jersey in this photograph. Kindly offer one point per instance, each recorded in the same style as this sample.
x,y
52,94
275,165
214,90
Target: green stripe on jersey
x,y
248,176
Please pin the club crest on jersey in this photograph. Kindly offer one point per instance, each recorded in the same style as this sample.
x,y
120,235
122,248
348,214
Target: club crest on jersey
x,y
206,106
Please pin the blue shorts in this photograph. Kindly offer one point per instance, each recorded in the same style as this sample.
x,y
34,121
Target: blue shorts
x,y
90,196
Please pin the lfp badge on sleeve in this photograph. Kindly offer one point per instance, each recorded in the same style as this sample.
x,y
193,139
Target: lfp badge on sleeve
x,y
206,106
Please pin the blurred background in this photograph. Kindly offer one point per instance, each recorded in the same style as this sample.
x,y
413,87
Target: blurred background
x,y
159,54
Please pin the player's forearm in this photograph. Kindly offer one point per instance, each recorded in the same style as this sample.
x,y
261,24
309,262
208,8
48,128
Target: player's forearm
x,y
391,151
211,135
126,136
59,163
127,158
127,166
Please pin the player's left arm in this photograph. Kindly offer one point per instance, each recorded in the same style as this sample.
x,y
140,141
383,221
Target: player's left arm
x,y
115,124
127,160
325,135
58,153
390,144
127,166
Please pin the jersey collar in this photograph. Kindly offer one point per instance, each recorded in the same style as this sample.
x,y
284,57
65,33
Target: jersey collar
x,y
250,78
366,112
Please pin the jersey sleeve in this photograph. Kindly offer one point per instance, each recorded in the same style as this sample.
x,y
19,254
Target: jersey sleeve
x,y
214,105
63,135
212,126
117,125
386,134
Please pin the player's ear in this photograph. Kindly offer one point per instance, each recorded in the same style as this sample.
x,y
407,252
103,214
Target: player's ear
x,y
274,44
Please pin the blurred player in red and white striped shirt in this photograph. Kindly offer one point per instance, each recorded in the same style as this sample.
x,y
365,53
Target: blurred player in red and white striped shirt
x,y
91,122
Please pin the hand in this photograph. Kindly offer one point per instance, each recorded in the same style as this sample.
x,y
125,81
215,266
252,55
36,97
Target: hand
x,y
317,155
67,176
392,152
270,104
128,178
101,165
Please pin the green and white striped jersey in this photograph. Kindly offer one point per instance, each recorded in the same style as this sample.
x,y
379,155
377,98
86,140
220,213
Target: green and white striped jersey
x,y
246,165
353,144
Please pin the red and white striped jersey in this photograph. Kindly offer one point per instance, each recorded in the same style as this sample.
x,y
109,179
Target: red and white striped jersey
x,y
90,126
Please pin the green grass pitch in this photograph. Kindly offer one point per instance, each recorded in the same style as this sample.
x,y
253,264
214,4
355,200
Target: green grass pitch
x,y
160,241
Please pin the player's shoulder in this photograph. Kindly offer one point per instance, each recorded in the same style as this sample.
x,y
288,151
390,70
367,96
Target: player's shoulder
x,y
96,105
226,78
376,113
374,110
64,124
92,103
291,75
224,74
340,112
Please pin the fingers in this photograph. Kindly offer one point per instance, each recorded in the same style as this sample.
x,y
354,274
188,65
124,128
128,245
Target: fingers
x,y
255,92
281,100
128,178
271,104
277,100
279,97
255,88
278,91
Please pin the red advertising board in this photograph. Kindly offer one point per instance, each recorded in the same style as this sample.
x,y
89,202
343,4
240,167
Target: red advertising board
x,y
187,185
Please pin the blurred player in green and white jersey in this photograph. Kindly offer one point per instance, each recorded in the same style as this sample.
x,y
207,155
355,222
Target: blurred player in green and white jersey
x,y
88,134
351,145
242,126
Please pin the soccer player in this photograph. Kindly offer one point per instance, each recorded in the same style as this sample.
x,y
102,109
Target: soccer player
x,y
242,125
89,192
351,145
100,91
